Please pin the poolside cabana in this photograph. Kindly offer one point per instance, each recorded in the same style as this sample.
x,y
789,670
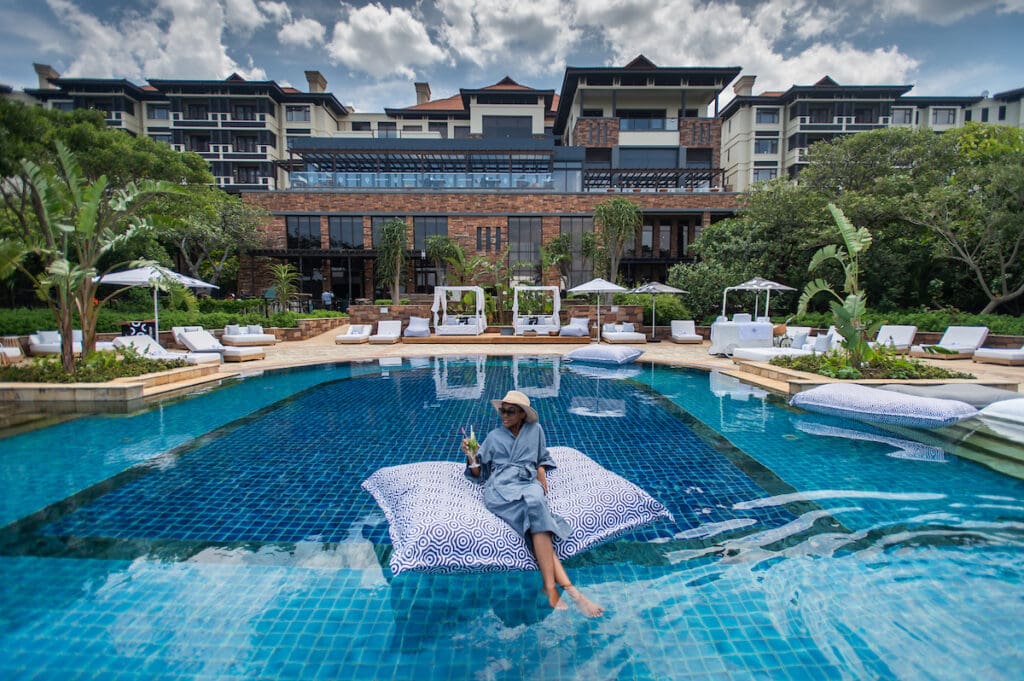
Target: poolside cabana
x,y
541,323
451,324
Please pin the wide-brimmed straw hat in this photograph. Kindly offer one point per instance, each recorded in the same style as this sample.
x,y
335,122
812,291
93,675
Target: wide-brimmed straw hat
x,y
520,400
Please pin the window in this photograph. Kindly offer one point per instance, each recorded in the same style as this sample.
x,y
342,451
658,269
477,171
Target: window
x,y
460,132
943,116
413,128
244,112
377,223
820,115
1002,113
166,138
245,144
664,240
248,175
488,239
196,112
197,143
524,236
902,116
646,241
984,115
766,146
290,140
507,127
592,113
362,126
425,227
345,232
864,115
296,113
303,231
441,128
968,115
387,129
580,269
766,116
158,112
765,174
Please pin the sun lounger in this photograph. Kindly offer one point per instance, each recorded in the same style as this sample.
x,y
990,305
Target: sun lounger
x,y
958,342
389,331
10,351
149,348
253,334
621,333
357,333
202,340
895,337
685,332
1007,356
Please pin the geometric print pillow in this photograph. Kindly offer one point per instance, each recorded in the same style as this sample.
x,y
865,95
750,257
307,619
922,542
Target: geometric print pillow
x,y
438,522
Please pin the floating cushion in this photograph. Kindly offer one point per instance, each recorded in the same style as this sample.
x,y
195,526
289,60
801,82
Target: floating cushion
x,y
882,406
1006,410
977,396
604,354
438,521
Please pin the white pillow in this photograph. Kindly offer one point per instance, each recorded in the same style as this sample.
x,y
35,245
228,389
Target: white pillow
x,y
823,343
232,330
799,340
254,328
862,403
1006,410
48,337
605,354
628,326
573,330
438,521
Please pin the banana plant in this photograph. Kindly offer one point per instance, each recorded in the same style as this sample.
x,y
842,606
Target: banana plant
x,y
847,311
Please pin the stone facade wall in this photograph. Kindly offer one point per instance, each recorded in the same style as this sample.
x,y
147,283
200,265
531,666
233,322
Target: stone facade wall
x,y
596,132
702,133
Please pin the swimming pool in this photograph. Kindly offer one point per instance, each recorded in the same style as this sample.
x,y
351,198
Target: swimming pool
x,y
225,536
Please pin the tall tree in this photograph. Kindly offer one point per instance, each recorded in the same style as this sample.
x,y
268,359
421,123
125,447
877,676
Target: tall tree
x,y
442,249
392,255
617,221
66,224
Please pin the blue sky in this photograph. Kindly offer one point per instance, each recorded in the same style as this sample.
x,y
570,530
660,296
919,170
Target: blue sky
x,y
371,53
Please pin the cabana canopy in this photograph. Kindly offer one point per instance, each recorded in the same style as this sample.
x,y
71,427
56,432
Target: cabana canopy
x,y
470,324
757,284
544,322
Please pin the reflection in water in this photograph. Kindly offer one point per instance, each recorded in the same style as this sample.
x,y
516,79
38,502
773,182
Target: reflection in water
x,y
745,418
460,377
536,376
905,449
594,405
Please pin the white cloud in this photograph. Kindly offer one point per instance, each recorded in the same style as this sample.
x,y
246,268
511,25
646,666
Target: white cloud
x,y
177,39
948,12
302,32
278,11
243,16
534,36
382,42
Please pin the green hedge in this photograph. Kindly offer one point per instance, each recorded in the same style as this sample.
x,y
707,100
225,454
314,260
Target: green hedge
x,y
23,321
929,320
98,367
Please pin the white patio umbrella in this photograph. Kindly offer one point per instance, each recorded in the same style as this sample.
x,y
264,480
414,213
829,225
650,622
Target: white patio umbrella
x,y
155,277
757,284
654,288
598,286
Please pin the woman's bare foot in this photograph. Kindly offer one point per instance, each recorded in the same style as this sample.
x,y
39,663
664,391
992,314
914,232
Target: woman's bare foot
x,y
555,598
587,606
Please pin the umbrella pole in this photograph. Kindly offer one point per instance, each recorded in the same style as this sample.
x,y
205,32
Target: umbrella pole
x,y
598,317
767,302
156,317
757,298
654,317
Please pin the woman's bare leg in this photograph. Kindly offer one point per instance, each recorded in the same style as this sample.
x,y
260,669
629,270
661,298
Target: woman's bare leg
x,y
552,572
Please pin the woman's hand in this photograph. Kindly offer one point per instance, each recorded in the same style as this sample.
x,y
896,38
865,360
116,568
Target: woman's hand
x,y
542,478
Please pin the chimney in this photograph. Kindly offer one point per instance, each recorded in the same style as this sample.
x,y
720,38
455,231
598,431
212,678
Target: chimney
x,y
422,92
316,81
45,73
744,87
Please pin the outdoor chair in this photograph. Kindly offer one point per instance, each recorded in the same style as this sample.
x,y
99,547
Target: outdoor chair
x,y
958,342
1006,356
894,337
357,333
10,350
202,340
240,335
389,331
621,333
419,327
684,331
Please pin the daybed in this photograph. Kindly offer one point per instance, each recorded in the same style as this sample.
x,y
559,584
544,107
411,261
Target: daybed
x,y
958,342
357,333
895,337
419,327
542,324
446,324
1007,356
236,334
150,349
198,339
48,343
621,333
685,332
388,331
577,326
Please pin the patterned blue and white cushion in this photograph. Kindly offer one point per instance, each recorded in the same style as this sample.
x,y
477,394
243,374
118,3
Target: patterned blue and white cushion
x,y
604,354
438,521
882,406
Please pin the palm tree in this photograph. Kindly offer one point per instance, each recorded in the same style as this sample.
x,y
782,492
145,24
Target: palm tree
x,y
442,249
617,220
391,255
284,280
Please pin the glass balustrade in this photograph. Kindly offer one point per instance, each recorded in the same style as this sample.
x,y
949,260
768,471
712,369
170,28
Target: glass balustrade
x,y
648,124
432,181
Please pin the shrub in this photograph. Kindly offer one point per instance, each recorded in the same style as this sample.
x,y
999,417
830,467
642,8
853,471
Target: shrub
x,y
885,364
669,306
99,367
926,320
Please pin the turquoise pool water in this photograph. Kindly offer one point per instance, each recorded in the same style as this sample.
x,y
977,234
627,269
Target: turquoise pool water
x,y
225,536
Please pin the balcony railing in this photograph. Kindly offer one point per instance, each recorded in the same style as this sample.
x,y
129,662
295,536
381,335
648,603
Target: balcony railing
x,y
648,124
429,181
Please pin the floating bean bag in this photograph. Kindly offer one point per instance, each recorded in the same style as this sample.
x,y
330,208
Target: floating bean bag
x,y
438,521
862,403
604,354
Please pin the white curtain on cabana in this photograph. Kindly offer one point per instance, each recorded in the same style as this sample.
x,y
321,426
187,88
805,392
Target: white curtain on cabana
x,y
546,323
474,324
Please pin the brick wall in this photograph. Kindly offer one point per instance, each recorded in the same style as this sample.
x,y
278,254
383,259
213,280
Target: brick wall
x,y
596,132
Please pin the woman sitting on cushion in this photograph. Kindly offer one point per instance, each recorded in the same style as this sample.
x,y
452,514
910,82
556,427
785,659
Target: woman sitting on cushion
x,y
512,463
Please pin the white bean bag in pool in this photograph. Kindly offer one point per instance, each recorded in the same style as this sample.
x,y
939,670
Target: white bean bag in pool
x,y
604,354
862,403
438,521
1006,418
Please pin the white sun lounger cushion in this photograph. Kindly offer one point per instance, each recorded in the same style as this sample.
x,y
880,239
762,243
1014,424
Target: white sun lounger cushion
x,y
862,403
604,354
438,521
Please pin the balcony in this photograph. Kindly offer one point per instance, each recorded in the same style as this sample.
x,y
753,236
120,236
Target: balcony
x,y
840,124
648,124
422,181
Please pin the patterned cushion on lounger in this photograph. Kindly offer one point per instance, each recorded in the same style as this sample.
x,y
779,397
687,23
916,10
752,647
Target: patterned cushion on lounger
x,y
438,521
882,406
604,354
